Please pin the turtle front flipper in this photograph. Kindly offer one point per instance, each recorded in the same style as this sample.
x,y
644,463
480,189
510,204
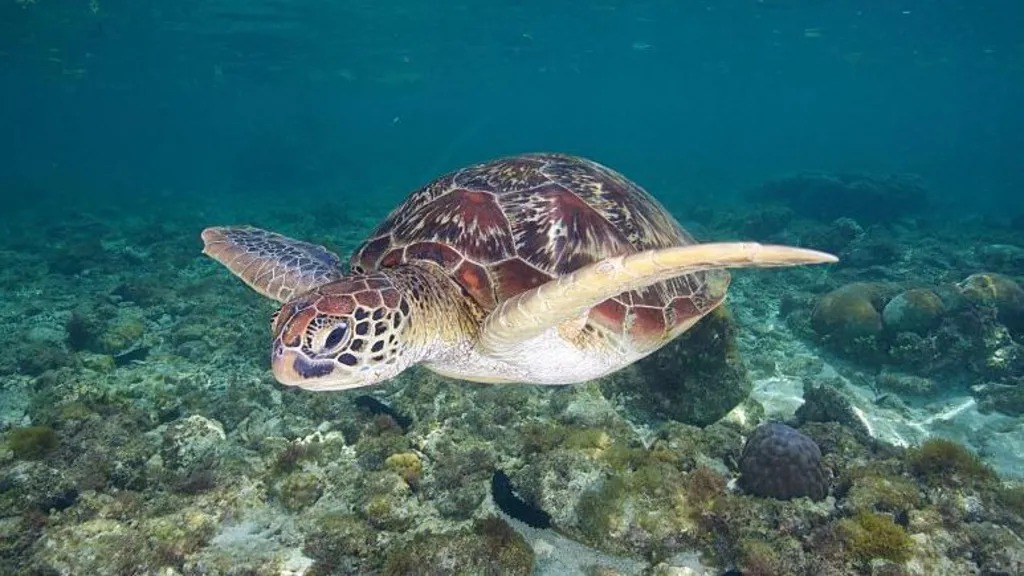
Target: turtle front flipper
x,y
276,266
531,313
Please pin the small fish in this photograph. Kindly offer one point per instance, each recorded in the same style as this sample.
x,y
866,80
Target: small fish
x,y
374,406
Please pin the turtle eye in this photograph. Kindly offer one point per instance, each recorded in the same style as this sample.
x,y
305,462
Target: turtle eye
x,y
336,336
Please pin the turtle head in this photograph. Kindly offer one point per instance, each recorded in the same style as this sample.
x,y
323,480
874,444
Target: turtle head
x,y
343,334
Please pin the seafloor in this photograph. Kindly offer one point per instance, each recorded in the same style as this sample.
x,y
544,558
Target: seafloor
x,y
143,433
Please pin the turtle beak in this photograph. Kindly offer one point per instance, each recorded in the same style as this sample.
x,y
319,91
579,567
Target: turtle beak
x,y
293,368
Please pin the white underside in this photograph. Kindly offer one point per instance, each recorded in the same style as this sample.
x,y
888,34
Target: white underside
x,y
546,359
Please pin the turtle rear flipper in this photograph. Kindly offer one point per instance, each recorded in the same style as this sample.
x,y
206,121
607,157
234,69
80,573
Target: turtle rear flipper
x,y
276,266
529,314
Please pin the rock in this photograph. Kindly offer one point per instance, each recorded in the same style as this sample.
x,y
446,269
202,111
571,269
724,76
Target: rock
x,y
1007,399
191,443
869,198
1003,257
999,292
695,379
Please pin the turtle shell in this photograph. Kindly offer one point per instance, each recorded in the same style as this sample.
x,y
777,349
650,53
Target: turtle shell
x,y
506,226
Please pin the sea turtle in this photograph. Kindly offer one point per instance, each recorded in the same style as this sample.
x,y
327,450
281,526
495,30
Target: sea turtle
x,y
536,268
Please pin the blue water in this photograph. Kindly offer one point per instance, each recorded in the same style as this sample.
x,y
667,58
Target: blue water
x,y
141,430
689,98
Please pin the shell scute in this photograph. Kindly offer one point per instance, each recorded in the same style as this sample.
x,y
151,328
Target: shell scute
x,y
438,252
506,226
504,175
558,231
368,256
471,220
647,323
369,298
515,276
475,280
392,258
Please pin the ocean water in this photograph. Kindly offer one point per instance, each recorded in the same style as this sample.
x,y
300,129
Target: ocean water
x,y
142,430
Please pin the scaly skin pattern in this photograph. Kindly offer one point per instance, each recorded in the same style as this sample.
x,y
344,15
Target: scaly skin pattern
x,y
273,265
367,328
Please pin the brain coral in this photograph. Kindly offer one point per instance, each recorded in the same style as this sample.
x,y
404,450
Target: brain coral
x,y
851,311
916,310
780,462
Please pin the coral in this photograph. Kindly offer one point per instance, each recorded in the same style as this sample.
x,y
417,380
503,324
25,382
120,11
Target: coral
x,y
868,536
97,546
766,222
873,492
373,449
848,317
868,198
941,461
834,237
917,310
35,487
1001,257
111,546
341,544
407,465
37,358
122,335
298,490
385,502
1012,497
295,453
760,558
32,442
460,476
780,462
173,537
875,248
994,549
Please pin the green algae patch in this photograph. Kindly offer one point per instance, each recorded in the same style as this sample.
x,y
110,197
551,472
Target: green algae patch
x,y
879,493
386,502
944,462
340,543
32,442
868,536
599,509
299,490
490,547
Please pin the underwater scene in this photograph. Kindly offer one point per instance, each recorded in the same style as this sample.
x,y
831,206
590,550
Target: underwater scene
x,y
605,287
